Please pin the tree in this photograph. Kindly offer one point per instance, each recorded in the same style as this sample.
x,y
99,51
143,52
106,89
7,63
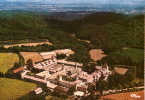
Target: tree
x,y
29,64
92,96
101,85
89,67
71,90
92,67
61,56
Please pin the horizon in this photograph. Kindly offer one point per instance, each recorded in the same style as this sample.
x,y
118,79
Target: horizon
x,y
120,2
119,6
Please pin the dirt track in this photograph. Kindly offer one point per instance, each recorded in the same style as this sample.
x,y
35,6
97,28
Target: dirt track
x,y
27,44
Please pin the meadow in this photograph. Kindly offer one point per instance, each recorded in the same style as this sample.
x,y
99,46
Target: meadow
x,y
12,89
7,61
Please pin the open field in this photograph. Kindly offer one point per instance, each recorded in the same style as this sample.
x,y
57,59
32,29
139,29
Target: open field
x,y
137,55
129,57
53,98
35,56
97,54
7,60
124,96
11,89
27,44
120,70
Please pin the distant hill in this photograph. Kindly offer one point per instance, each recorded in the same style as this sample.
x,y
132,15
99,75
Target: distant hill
x,y
48,7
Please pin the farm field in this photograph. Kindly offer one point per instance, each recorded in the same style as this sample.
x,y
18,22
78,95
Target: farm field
x,y
7,60
137,55
52,98
35,56
127,56
124,96
12,89
97,54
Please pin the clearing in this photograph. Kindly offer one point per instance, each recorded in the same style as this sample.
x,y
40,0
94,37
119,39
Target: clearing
x,y
12,89
97,54
7,61
35,56
137,55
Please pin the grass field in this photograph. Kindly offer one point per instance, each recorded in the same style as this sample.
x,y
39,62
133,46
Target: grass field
x,y
35,56
53,98
11,89
137,55
7,60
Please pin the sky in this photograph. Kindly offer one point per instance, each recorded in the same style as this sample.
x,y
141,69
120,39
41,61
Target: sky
x,y
85,1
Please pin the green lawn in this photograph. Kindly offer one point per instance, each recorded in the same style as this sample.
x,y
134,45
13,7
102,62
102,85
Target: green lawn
x,y
7,61
11,89
53,98
126,56
137,55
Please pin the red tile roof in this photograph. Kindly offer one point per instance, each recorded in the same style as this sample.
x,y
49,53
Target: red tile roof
x,y
18,70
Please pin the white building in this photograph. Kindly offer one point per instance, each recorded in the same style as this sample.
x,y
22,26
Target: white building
x,y
38,90
48,55
51,86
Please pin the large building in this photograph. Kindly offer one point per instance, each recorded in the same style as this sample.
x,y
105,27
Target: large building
x,y
62,75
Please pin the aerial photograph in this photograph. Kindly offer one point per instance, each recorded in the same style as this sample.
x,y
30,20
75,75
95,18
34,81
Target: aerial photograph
x,y
72,49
